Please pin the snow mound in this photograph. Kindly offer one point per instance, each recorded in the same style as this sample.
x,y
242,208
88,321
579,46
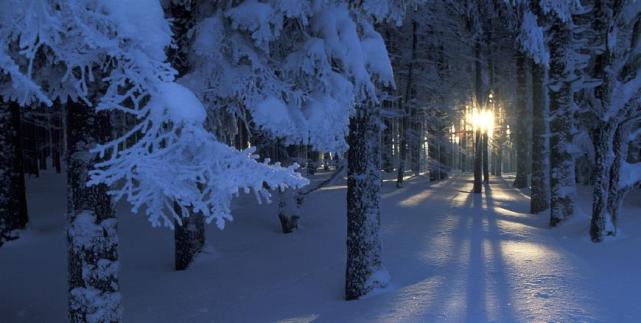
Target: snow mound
x,y
178,104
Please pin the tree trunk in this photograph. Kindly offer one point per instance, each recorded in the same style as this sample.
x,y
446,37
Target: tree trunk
x,y
313,161
405,128
499,161
288,210
43,147
607,139
57,145
326,161
417,138
522,142
463,147
601,139
365,270
616,193
94,293
189,239
13,200
478,144
402,159
562,173
540,194
486,160
478,163
387,148
493,167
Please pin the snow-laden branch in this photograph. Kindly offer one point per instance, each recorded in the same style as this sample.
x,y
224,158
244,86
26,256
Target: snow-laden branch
x,y
111,55
195,171
301,88
23,89
630,175
532,40
178,163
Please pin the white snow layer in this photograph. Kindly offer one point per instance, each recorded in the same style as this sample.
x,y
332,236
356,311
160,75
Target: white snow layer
x,y
141,20
179,103
453,256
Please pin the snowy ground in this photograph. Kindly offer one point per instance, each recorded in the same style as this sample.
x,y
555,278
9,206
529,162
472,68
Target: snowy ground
x,y
453,256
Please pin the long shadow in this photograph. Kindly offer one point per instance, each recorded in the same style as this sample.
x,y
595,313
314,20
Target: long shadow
x,y
460,234
398,228
413,186
476,303
479,278
503,290
444,290
512,204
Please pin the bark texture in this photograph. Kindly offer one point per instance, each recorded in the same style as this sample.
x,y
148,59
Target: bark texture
x,y
478,144
189,239
478,163
562,173
522,120
540,193
486,158
13,201
617,192
365,270
601,139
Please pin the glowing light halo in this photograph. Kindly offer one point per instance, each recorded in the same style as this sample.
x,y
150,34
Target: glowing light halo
x,y
482,120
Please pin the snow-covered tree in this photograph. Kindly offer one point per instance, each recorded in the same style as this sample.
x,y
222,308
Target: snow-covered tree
x,y
540,180
613,107
297,71
112,54
523,121
559,26
189,237
367,65
532,42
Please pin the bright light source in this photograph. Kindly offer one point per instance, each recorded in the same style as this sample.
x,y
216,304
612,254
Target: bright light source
x,y
483,120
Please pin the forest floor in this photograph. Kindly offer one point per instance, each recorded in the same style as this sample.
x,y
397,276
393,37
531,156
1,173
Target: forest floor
x,y
453,256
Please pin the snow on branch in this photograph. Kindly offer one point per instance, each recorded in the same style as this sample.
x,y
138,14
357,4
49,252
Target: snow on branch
x,y
23,89
301,88
178,161
532,40
167,163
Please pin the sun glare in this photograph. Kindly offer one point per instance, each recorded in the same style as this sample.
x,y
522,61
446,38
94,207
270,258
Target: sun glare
x,y
483,120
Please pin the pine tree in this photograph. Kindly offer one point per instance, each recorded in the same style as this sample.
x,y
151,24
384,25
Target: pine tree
x,y
540,196
189,232
13,201
522,123
562,177
365,270
615,109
